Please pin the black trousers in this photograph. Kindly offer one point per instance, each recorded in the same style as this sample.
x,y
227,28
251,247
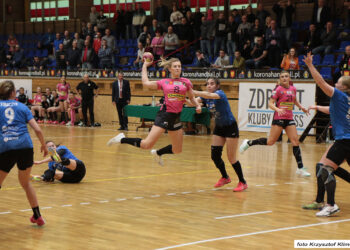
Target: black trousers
x,y
88,104
123,119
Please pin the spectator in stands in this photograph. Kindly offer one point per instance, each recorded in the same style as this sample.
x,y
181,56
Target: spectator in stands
x,y
83,29
93,16
118,20
184,8
105,55
89,39
328,38
101,22
171,41
201,61
110,39
184,34
321,15
267,23
61,58
247,49
250,15
258,54
273,45
155,26
231,29
143,35
87,56
220,34
97,43
256,31
236,16
139,59
128,22
73,57
88,90
312,40
95,32
67,40
57,42
284,11
49,96
261,14
22,97
175,18
37,64
36,104
205,38
39,47
290,61
12,42
138,19
148,44
239,61
89,31
158,45
45,104
48,39
54,108
162,15
243,31
79,41
222,60
344,64
16,58
2,56
190,19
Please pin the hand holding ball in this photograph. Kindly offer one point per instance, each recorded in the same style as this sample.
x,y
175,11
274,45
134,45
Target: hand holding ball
x,y
148,58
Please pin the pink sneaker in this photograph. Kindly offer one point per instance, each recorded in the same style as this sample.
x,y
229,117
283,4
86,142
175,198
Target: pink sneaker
x,y
222,182
240,187
62,123
40,221
55,122
40,121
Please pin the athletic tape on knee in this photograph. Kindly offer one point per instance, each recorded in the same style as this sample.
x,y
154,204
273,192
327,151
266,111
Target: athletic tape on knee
x,y
326,174
216,153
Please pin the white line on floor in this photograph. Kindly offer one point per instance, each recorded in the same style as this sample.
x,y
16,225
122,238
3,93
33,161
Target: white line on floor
x,y
8,212
45,207
240,215
200,191
288,183
273,184
186,192
25,210
253,233
155,196
138,198
171,194
103,201
123,199
68,205
85,203
259,185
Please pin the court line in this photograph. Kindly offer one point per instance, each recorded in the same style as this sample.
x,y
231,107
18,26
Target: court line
x,y
240,215
85,203
8,212
253,233
68,205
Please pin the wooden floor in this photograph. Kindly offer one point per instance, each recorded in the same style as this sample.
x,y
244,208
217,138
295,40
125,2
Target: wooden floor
x,y
127,201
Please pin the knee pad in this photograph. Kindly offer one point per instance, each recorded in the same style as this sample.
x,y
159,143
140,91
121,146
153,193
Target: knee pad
x,y
216,153
48,175
326,174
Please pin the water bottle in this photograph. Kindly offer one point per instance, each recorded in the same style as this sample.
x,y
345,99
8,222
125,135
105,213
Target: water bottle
x,y
153,101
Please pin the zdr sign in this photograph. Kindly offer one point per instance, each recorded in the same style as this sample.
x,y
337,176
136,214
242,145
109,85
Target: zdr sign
x,y
254,113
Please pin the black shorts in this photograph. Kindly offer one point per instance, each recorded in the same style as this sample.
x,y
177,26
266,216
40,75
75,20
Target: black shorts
x,y
169,121
22,157
339,152
75,176
230,131
283,123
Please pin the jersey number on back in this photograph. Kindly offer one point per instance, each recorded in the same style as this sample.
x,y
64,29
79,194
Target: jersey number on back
x,y
10,115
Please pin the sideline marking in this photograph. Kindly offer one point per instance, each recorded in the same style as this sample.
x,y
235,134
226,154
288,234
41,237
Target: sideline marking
x,y
240,215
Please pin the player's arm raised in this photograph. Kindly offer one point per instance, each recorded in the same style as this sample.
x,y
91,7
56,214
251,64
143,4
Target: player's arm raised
x,y
145,81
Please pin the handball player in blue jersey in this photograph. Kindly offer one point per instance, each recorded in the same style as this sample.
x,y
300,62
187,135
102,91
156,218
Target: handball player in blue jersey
x,y
336,154
16,146
225,131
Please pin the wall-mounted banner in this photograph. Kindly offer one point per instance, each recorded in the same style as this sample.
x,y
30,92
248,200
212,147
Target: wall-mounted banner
x,y
22,83
253,110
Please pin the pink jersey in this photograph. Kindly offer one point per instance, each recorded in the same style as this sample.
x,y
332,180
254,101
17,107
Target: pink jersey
x,y
285,99
63,90
174,93
75,102
37,99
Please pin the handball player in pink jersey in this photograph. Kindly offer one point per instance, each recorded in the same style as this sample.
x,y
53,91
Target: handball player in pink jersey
x,y
175,89
63,89
282,102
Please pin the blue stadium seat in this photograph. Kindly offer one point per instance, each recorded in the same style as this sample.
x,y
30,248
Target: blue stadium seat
x,y
342,46
131,52
339,58
44,53
121,43
129,43
122,52
326,72
328,60
300,58
317,60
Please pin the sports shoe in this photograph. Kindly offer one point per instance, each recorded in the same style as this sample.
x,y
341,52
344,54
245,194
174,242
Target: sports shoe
x,y
53,154
302,172
222,181
40,121
68,124
157,158
36,178
116,139
244,146
80,124
328,210
240,187
55,122
313,206
40,221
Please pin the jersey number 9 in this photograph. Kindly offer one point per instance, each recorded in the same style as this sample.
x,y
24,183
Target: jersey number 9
x,y
10,115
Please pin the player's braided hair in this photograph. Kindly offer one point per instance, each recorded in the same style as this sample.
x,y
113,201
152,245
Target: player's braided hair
x,y
6,89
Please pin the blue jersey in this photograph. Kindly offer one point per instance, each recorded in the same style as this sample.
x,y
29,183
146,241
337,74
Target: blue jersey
x,y
339,110
220,108
14,117
64,152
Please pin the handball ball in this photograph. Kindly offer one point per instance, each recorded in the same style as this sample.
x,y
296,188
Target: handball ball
x,y
147,57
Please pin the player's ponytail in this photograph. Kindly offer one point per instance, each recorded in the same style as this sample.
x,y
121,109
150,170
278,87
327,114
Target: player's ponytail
x,y
6,89
166,64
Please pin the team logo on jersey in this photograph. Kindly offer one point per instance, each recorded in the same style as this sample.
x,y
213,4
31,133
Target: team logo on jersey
x,y
178,83
289,92
166,82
